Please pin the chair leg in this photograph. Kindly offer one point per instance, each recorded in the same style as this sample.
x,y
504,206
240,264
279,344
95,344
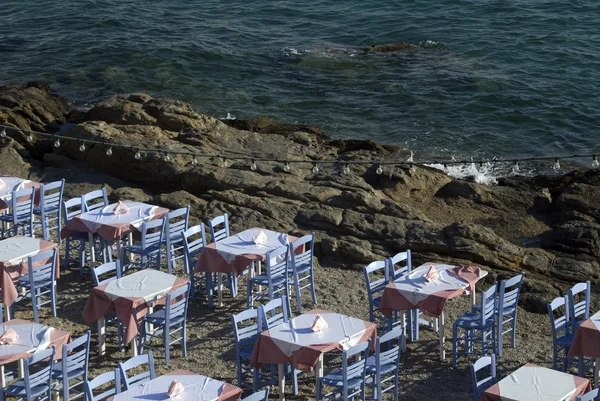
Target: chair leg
x,y
514,330
297,291
33,293
209,290
500,335
249,298
53,298
319,389
121,330
183,342
65,389
454,345
312,286
167,346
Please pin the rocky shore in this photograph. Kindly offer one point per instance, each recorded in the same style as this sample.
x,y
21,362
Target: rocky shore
x,y
547,226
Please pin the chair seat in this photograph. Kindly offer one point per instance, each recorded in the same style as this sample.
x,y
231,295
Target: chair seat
x,y
507,310
376,301
246,353
565,341
472,320
51,209
57,372
300,269
384,369
6,217
138,248
17,389
262,279
335,379
24,282
158,318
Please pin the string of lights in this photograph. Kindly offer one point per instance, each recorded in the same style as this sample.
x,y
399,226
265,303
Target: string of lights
x,y
142,150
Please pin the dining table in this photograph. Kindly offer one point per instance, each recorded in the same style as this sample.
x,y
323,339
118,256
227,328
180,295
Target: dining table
x,y
10,184
586,343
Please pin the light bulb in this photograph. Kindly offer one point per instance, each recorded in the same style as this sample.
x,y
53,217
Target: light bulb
x,y
315,169
595,163
253,166
224,163
57,143
286,167
167,157
29,138
137,155
109,151
515,168
3,133
194,161
82,147
346,169
556,165
379,170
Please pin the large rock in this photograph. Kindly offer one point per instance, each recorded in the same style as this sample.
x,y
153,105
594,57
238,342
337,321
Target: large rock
x,y
574,237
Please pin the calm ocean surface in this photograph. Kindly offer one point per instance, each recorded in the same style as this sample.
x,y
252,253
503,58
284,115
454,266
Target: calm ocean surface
x,y
492,78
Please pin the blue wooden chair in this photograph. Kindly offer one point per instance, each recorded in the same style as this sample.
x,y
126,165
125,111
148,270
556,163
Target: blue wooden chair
x,y
37,381
104,274
275,279
40,282
94,200
70,209
349,381
101,381
301,268
246,329
176,222
508,300
133,363
262,395
20,214
73,366
384,365
579,304
589,396
219,230
479,386
149,248
483,321
49,208
376,278
168,323
399,265
562,337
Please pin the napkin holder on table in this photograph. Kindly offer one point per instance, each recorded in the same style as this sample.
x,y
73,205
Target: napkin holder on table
x,y
319,324
120,208
260,238
432,274
9,337
175,388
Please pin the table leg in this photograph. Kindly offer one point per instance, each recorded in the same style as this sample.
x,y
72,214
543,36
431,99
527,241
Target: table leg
x,y
21,368
436,325
596,372
403,319
473,297
133,343
101,336
120,254
2,378
8,312
319,368
281,381
150,325
442,337
258,273
219,289
92,250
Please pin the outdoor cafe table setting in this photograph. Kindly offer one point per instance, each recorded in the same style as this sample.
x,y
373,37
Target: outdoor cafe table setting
x,y
298,343
531,382
113,222
132,297
14,252
586,342
20,339
236,252
10,184
191,387
429,293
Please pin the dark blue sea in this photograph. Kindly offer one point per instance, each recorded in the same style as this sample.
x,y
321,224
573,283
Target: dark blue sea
x,y
489,78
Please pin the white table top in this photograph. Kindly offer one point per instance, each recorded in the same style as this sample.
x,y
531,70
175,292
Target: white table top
x,y
137,214
32,337
535,383
243,244
196,388
12,184
16,249
149,284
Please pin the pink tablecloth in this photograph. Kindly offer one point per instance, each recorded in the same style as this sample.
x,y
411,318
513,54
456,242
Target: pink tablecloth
x,y
29,339
296,343
587,339
235,253
113,227
412,291
532,382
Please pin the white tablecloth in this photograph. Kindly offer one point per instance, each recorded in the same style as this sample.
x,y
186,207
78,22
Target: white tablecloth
x,y
137,214
534,383
196,388
148,284
12,184
15,250
242,244
33,337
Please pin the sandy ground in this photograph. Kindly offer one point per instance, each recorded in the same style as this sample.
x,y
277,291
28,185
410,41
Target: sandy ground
x,y
211,350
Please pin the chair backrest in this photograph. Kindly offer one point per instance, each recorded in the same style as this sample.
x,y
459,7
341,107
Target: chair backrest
x,y
480,385
488,304
110,269
133,363
274,312
177,303
94,200
589,396
152,232
71,208
559,321
22,204
376,277
357,369
388,348
75,357
101,381
262,395
277,264
51,196
509,293
216,233
246,327
579,303
399,265
194,241
304,258
42,267
176,222
38,369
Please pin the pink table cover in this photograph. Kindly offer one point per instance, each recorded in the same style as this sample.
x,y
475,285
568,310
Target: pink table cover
x,y
13,262
16,184
413,292
196,388
113,227
22,349
270,348
233,254
130,309
534,383
587,338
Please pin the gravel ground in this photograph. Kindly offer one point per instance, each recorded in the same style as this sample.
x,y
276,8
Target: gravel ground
x,y
211,349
